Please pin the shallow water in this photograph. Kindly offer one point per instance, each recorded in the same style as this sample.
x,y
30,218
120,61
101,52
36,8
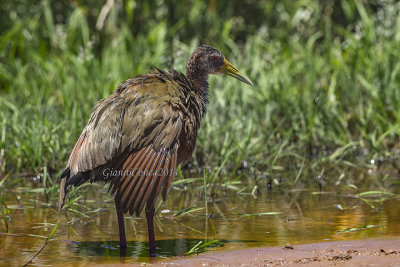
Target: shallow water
x,y
90,235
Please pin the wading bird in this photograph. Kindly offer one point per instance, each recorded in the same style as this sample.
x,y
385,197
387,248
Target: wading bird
x,y
136,138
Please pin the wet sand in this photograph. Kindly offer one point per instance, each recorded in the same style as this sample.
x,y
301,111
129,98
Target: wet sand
x,y
366,252
369,252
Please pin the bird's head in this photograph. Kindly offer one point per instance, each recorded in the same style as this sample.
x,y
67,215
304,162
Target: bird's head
x,y
207,60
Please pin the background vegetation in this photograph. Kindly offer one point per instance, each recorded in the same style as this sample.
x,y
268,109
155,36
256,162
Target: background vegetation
x,y
326,97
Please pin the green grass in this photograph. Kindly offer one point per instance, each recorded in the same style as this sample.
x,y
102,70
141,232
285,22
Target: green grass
x,y
325,100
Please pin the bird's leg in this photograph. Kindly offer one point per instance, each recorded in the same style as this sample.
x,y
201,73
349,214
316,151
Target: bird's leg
x,y
150,227
121,226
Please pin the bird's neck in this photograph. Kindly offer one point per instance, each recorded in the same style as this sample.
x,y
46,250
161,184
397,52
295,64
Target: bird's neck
x,y
198,77
200,85
199,81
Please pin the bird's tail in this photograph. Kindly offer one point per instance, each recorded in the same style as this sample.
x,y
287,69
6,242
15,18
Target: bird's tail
x,y
63,190
67,181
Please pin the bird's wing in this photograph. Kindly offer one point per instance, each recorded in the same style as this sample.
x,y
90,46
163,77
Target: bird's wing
x,y
134,134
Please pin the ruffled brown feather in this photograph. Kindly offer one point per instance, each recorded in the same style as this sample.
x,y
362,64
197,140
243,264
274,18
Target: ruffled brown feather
x,y
145,126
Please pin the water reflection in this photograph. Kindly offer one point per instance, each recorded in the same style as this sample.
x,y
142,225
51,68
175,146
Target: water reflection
x,y
165,248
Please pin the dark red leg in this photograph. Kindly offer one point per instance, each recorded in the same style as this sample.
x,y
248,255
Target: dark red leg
x,y
121,226
150,228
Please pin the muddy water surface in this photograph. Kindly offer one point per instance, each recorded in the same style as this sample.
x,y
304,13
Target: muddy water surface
x,y
88,232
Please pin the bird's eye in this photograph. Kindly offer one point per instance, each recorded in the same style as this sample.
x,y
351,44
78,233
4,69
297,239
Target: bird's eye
x,y
215,59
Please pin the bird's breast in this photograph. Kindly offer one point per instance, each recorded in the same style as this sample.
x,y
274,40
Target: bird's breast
x,y
192,115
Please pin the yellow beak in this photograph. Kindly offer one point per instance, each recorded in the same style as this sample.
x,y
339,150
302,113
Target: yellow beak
x,y
230,70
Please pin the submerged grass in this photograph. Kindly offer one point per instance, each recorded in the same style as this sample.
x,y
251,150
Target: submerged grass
x,y
200,247
44,245
325,100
